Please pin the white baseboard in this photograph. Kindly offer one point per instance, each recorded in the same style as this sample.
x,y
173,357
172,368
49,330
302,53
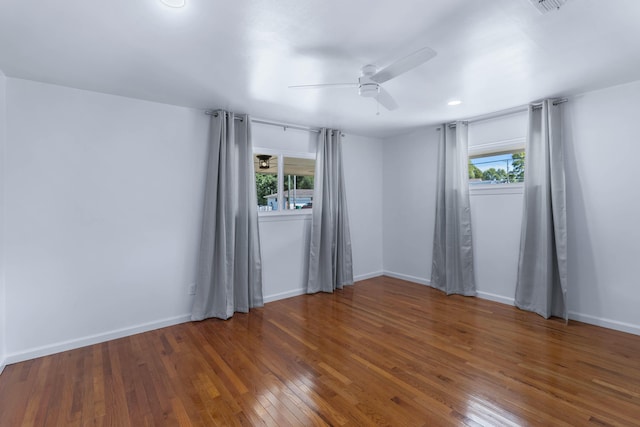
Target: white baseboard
x,y
302,291
495,297
46,350
580,317
124,332
283,295
605,323
93,339
361,277
407,277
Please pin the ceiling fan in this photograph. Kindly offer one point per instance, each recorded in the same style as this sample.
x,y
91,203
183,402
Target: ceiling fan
x,y
371,78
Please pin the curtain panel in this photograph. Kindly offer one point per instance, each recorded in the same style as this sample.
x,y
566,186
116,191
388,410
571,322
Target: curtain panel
x,y
229,276
542,266
452,264
330,261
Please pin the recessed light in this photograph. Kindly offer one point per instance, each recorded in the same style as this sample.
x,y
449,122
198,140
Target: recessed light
x,y
174,3
454,103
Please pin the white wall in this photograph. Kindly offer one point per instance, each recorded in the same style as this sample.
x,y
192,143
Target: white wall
x,y
408,191
3,307
285,238
363,169
503,132
603,206
496,212
103,210
410,168
495,221
602,209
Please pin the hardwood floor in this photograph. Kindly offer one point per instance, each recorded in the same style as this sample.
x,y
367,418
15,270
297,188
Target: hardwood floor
x,y
382,352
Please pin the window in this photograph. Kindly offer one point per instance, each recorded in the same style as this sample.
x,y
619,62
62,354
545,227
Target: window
x,y
298,177
497,153
284,182
506,167
266,170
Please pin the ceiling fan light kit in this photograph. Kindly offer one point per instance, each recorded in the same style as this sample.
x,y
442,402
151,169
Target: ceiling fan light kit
x,y
369,90
367,87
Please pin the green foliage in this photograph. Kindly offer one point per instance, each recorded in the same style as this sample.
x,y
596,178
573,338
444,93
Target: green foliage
x,y
303,182
474,171
265,184
493,174
517,174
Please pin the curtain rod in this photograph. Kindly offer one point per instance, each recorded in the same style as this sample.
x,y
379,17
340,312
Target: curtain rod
x,y
285,126
515,110
537,105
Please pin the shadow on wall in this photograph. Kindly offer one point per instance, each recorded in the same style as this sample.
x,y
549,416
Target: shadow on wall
x,y
580,258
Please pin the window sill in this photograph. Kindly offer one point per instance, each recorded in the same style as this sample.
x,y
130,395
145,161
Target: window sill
x,y
494,189
292,215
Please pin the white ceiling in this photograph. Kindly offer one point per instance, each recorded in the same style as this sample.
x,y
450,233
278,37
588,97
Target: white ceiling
x,y
242,55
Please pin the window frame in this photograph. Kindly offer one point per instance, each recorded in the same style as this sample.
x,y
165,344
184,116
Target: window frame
x,y
496,147
280,155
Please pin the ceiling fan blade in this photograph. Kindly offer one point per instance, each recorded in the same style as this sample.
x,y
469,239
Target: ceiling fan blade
x,y
403,65
386,100
325,86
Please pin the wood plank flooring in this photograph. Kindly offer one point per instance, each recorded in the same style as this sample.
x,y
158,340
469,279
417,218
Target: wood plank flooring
x,y
382,352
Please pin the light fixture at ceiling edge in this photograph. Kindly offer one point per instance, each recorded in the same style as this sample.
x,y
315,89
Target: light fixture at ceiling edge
x,y
263,161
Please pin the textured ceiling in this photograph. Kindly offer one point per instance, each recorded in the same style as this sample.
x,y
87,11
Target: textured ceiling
x,y
242,55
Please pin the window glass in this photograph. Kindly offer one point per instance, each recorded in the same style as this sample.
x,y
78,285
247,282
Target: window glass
x,y
266,170
298,176
283,182
497,168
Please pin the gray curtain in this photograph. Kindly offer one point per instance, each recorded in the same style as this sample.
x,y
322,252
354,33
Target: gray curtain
x,y
330,263
542,265
229,276
452,266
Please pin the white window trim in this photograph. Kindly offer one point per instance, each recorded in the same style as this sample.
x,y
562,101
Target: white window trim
x,y
493,147
497,146
493,189
285,153
283,214
292,214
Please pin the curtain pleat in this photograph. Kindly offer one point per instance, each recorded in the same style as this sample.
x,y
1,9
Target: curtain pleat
x,y
229,276
452,264
330,261
542,266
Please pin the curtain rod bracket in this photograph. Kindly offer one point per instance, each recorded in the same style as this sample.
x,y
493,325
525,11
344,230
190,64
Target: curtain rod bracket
x,y
215,114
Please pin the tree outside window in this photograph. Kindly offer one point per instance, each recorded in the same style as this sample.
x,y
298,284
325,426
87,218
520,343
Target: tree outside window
x,y
497,168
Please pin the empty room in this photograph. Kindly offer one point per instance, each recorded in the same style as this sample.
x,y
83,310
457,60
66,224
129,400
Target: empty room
x,y
295,213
